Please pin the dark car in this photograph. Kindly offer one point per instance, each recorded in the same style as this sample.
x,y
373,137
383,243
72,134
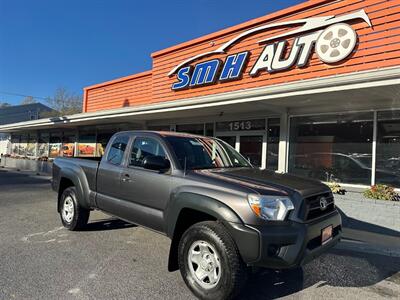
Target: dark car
x,y
222,214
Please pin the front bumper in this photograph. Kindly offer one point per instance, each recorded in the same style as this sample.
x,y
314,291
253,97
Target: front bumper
x,y
285,245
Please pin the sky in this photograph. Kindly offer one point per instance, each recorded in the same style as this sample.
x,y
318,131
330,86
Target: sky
x,y
46,44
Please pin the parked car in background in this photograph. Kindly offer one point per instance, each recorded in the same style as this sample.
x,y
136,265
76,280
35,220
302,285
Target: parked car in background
x,y
340,167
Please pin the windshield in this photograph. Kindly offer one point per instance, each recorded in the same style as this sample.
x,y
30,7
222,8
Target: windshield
x,y
205,153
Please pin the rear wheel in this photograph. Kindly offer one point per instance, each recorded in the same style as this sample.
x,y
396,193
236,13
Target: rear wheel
x,y
73,216
210,263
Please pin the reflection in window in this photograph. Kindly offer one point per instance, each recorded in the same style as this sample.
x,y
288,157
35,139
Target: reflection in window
x,y
87,144
144,147
102,140
205,153
388,149
15,140
43,144
68,145
332,147
117,149
55,144
31,145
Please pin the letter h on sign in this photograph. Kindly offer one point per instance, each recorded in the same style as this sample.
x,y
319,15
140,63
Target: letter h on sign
x,y
233,66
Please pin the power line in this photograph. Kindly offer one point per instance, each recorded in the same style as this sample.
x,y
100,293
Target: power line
x,y
22,95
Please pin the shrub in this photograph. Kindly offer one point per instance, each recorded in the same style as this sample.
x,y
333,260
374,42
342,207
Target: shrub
x,y
381,192
336,188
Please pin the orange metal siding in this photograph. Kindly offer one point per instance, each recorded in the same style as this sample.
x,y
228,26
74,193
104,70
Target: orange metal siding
x,y
378,47
127,91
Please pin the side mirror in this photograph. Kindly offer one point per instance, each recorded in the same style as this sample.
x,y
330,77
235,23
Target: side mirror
x,y
156,163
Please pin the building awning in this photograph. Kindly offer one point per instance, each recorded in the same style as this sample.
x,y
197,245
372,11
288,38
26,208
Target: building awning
x,y
362,90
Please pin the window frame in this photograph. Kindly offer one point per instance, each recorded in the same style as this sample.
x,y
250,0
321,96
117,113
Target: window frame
x,y
155,138
124,158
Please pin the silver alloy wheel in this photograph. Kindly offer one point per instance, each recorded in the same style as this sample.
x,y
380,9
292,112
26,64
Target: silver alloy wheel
x,y
68,209
204,264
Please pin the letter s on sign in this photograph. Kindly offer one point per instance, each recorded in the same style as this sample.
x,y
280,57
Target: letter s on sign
x,y
183,76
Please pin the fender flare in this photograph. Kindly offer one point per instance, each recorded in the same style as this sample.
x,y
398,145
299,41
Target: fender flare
x,y
200,202
81,185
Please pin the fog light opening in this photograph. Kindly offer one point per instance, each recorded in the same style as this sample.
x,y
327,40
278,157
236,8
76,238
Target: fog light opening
x,y
273,250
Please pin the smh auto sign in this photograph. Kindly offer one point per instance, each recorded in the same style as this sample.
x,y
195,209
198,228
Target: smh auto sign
x,y
330,37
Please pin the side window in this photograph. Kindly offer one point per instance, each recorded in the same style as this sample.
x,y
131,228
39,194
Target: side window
x,y
143,147
117,149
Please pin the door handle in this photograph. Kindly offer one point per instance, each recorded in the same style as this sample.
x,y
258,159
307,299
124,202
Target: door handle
x,y
126,178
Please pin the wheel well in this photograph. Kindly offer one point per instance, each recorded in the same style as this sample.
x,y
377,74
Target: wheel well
x,y
187,217
64,184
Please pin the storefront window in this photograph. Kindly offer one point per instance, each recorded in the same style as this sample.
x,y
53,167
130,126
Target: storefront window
x,y
15,139
273,143
388,149
87,144
68,145
209,129
191,128
332,147
43,144
23,144
55,144
102,140
31,146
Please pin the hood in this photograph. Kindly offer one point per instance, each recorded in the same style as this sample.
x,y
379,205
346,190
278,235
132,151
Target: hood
x,y
264,181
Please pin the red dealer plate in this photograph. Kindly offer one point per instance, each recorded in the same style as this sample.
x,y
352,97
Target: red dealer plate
x,y
326,234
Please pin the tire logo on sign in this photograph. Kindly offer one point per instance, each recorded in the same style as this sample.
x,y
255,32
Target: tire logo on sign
x,y
336,43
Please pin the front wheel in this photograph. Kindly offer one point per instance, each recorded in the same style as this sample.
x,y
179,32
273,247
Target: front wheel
x,y
210,263
73,216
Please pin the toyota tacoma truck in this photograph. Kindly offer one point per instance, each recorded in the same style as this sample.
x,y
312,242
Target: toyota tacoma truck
x,y
223,215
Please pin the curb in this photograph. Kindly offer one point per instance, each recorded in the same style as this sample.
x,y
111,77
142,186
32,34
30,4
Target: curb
x,y
26,172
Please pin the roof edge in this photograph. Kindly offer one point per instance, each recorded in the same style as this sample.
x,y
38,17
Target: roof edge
x,y
385,76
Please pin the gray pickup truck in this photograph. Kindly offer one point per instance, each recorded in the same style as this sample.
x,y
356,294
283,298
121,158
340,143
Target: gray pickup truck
x,y
222,214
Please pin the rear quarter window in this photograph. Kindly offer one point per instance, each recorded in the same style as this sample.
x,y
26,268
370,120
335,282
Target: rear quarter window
x,y
117,149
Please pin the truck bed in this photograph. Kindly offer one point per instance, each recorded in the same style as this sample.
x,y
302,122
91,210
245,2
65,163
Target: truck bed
x,y
84,167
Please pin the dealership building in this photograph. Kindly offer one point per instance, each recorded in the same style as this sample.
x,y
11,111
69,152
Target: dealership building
x,y
313,90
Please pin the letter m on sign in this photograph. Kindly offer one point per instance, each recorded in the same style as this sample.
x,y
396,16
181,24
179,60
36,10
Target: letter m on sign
x,y
205,72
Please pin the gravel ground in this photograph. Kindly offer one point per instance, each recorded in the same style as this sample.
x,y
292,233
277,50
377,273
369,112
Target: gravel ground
x,y
114,260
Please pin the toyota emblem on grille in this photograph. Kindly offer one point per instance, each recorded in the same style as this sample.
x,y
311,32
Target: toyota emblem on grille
x,y
323,203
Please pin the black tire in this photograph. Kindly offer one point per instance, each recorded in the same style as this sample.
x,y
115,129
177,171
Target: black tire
x,y
80,215
233,271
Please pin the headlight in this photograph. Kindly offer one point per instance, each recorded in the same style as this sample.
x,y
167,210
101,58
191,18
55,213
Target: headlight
x,y
273,208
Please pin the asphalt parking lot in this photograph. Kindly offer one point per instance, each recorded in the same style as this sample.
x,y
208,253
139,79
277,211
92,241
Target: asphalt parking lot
x,y
115,260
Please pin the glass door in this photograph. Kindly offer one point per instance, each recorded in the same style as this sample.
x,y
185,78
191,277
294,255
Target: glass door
x,y
251,147
257,140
